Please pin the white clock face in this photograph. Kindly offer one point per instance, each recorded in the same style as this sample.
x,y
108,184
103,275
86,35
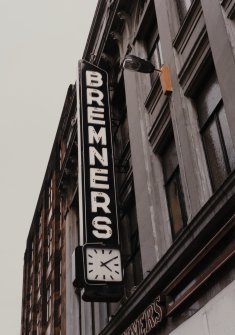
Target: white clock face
x,y
103,264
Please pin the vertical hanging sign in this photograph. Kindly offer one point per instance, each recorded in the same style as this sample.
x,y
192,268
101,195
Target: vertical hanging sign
x,y
97,168
97,194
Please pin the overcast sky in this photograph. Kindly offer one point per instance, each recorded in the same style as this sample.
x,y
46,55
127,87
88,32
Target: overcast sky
x,y
40,44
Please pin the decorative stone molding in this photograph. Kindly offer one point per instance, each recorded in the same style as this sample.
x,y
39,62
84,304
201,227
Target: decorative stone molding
x,y
189,25
193,65
160,127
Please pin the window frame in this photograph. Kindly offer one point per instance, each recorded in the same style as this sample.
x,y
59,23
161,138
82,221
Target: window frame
x,y
175,173
146,22
213,119
153,47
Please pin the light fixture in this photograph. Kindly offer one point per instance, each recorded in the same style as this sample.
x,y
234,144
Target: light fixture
x,y
134,63
137,64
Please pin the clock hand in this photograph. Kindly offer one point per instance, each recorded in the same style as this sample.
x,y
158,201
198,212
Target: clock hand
x,y
103,264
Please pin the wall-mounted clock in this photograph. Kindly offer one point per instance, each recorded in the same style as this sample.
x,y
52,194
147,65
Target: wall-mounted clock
x,y
102,265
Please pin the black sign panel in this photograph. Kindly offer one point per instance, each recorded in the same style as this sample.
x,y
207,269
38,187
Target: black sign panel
x,y
97,181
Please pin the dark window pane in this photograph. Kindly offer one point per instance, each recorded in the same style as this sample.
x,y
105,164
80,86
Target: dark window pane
x,y
175,203
151,35
153,46
169,160
174,192
215,131
214,155
227,137
208,99
155,56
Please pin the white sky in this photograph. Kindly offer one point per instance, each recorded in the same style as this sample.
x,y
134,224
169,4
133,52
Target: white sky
x,y
40,44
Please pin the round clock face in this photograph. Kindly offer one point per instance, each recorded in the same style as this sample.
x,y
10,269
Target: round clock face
x,y
103,264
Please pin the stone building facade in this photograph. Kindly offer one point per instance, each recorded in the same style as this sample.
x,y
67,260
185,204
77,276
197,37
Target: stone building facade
x,y
174,163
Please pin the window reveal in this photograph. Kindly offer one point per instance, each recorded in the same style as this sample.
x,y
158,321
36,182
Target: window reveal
x,y
153,46
173,187
183,7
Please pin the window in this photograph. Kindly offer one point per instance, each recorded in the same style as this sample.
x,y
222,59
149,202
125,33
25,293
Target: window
x,y
215,131
62,153
173,187
40,233
48,303
153,46
39,271
50,199
40,227
183,7
38,323
49,243
30,301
